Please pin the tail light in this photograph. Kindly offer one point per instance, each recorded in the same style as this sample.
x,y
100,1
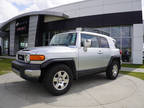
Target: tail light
x,y
120,52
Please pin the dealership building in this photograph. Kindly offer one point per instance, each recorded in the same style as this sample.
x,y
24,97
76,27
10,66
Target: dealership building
x,y
120,19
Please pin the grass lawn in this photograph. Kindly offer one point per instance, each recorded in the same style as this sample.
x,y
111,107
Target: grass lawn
x,y
133,65
135,74
5,65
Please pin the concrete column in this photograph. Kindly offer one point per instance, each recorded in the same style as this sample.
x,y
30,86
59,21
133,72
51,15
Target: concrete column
x,y
12,38
1,44
137,44
16,43
32,30
0,41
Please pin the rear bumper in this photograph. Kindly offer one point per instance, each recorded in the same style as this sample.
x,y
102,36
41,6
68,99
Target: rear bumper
x,y
26,71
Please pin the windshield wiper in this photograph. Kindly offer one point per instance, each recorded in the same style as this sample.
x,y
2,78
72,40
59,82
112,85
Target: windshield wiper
x,y
59,45
53,44
63,44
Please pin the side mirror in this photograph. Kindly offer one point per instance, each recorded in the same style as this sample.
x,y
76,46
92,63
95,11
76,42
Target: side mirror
x,y
87,44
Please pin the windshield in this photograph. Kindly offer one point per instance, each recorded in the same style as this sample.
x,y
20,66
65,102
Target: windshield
x,y
66,39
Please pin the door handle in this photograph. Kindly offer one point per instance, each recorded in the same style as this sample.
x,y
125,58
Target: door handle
x,y
100,52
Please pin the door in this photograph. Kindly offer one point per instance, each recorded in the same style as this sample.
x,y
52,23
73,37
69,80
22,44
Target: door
x,y
92,58
105,50
5,46
23,41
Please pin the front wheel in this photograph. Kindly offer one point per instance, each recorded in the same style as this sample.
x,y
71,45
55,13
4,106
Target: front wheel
x,y
113,70
58,79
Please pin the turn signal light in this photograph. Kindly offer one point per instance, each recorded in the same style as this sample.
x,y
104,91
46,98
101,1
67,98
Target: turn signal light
x,y
37,57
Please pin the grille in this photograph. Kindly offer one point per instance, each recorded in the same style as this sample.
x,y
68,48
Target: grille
x,y
20,57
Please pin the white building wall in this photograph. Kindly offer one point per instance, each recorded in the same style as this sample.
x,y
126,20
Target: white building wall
x,y
137,44
96,7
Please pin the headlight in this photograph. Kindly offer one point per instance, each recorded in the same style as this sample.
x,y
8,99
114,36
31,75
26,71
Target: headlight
x,y
27,58
37,57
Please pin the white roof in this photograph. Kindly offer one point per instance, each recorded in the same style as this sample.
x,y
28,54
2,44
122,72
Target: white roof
x,y
50,13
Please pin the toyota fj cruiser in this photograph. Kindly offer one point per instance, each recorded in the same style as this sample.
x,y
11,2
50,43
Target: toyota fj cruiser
x,y
68,56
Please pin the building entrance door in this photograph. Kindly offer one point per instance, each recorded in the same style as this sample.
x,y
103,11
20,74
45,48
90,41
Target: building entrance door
x,y
23,41
5,46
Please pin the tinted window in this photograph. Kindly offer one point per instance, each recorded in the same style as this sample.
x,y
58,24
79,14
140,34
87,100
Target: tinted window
x,y
93,39
103,42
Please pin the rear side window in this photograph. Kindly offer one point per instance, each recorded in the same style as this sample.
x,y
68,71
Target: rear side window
x,y
114,41
103,42
94,40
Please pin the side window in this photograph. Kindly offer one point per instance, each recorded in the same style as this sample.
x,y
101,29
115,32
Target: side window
x,y
94,40
103,42
72,38
114,41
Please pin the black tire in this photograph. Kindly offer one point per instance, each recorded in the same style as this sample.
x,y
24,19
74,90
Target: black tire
x,y
110,73
53,73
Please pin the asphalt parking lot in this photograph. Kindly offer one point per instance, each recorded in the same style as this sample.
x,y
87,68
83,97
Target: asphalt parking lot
x,y
87,92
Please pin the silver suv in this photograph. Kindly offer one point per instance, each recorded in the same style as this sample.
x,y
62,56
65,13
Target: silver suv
x,y
68,56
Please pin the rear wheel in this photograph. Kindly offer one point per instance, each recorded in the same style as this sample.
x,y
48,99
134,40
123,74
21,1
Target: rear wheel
x,y
113,70
58,79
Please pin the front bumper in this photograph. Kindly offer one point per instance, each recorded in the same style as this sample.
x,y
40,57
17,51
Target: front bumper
x,y
26,71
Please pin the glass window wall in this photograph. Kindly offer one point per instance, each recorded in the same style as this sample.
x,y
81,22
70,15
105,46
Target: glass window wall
x,y
5,46
23,41
122,35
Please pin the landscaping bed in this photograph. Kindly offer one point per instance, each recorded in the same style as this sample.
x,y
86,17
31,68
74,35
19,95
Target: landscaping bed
x,y
133,65
5,65
135,74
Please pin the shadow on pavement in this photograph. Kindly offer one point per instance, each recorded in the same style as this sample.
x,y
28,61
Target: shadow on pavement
x,y
23,93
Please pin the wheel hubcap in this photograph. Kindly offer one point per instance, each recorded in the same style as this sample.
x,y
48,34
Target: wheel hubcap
x,y
60,80
115,70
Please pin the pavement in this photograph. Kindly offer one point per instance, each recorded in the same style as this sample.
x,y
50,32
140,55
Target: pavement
x,y
132,69
87,92
8,57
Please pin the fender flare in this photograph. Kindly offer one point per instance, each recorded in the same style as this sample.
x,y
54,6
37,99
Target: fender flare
x,y
114,58
68,61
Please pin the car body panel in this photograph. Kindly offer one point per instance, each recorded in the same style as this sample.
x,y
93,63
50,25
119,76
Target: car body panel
x,y
93,58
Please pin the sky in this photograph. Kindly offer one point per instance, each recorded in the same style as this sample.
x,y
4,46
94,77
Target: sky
x,y
11,8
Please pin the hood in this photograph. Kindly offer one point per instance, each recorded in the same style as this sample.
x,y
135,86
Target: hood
x,y
49,49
